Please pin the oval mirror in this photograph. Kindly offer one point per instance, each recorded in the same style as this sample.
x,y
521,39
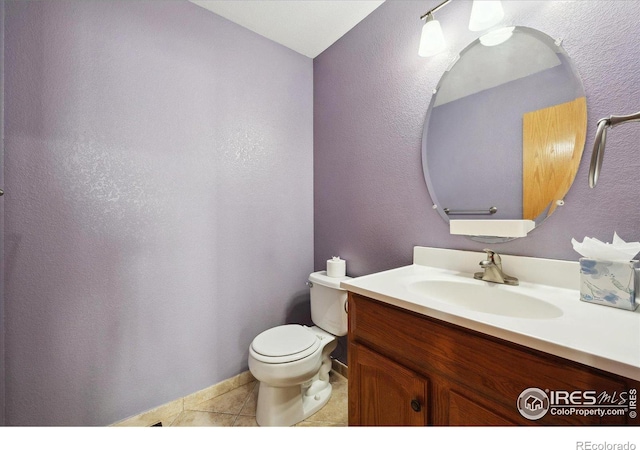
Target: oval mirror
x,y
505,130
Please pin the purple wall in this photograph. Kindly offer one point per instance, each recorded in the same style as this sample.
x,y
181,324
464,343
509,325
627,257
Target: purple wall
x,y
159,203
2,322
371,94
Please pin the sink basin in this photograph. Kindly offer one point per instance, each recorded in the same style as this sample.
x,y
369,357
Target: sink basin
x,y
486,298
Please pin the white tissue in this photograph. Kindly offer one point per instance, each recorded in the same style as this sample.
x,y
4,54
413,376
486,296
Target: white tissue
x,y
618,250
336,267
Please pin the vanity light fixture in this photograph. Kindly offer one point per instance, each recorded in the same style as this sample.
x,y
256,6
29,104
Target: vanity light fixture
x,y
601,140
484,14
432,39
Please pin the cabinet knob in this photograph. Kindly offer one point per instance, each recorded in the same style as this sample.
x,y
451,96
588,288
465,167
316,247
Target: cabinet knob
x,y
415,405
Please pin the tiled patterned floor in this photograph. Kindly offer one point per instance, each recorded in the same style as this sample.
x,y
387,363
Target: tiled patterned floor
x,y
237,408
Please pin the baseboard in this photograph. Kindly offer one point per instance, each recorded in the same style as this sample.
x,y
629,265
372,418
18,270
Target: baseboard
x,y
169,411
165,414
340,367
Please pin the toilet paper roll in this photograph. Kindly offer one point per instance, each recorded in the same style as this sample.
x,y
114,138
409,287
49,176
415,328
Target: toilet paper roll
x,y
336,267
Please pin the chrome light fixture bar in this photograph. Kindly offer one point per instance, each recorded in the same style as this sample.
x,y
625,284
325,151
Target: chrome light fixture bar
x,y
601,140
431,11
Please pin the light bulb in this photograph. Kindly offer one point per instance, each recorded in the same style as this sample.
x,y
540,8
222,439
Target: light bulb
x,y
432,39
485,14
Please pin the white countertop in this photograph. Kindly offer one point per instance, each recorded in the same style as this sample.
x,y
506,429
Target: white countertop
x,y
599,336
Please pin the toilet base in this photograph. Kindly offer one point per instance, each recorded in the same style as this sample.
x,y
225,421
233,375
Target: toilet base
x,y
286,406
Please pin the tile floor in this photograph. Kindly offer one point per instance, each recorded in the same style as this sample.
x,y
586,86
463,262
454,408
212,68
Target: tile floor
x,y
237,408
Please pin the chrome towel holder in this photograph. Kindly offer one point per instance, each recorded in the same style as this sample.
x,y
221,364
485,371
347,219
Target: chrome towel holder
x,y
601,140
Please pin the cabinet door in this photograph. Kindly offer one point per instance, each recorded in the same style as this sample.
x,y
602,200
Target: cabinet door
x,y
382,392
465,411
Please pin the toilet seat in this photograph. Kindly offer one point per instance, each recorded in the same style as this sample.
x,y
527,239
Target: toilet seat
x,y
285,343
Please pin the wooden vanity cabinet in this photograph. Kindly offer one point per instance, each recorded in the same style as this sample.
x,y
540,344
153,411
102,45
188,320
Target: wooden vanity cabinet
x,y
409,369
386,392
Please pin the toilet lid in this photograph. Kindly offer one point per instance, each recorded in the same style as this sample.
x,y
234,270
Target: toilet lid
x,y
284,340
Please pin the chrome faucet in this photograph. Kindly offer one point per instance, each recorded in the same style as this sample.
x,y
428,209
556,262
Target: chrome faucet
x,y
493,270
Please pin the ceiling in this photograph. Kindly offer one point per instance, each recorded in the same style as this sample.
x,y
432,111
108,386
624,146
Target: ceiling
x,y
306,26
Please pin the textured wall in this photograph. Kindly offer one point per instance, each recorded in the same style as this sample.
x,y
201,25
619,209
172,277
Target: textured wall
x,y
371,93
2,325
159,215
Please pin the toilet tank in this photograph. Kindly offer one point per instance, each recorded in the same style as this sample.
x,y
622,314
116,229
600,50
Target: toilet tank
x,y
328,303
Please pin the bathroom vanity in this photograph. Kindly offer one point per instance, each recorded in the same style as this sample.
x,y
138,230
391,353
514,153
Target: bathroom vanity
x,y
417,357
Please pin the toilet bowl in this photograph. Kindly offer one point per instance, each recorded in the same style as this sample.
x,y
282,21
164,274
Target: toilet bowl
x,y
292,362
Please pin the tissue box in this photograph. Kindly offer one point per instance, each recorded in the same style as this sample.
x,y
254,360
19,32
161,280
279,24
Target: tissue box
x,y
608,283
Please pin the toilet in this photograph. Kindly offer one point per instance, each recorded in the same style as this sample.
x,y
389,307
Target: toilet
x,y
292,362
